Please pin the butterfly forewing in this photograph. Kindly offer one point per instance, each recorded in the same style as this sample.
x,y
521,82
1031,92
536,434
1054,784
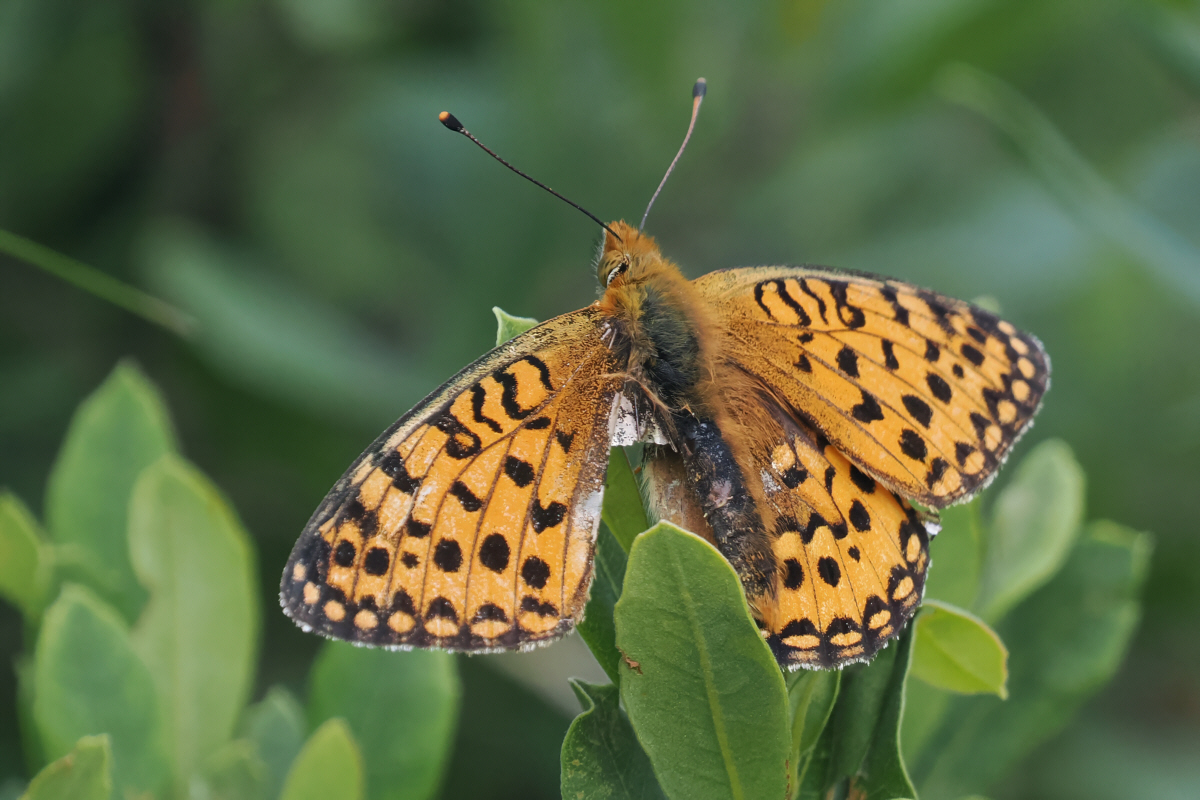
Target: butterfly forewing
x,y
469,525
923,392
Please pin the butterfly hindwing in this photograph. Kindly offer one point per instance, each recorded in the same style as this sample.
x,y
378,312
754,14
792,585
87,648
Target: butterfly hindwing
x,y
924,392
469,524
851,555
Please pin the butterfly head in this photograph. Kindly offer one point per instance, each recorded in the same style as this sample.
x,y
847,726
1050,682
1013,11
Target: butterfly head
x,y
626,260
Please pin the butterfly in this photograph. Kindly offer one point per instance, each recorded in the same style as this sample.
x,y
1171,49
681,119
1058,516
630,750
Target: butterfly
x,y
791,416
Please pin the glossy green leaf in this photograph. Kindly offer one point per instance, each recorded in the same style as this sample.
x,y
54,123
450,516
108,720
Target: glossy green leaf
x,y
601,757
199,628
956,556
276,726
402,708
1034,522
329,767
883,775
24,557
597,627
623,511
811,697
957,651
117,432
88,680
85,773
508,326
701,687
1065,641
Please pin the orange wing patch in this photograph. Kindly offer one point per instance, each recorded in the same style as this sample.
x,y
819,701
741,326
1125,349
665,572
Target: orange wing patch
x,y
469,525
852,556
925,393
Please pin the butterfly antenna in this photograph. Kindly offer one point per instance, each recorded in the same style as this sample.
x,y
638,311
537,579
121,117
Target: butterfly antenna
x,y
698,92
451,122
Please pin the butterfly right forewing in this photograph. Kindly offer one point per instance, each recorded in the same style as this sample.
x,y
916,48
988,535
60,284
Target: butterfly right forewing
x,y
925,392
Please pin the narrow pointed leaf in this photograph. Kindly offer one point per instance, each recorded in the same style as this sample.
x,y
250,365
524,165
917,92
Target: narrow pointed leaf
x,y
597,627
701,687
623,511
508,326
811,698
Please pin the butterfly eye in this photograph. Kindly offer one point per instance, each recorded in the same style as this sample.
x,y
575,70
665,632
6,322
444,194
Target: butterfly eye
x,y
619,269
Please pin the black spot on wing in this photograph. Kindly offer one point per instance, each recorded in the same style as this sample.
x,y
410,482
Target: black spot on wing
x,y
494,553
521,472
912,445
793,576
466,498
344,553
550,516
889,354
535,572
829,570
478,396
864,482
447,555
868,410
847,361
376,561
859,517
938,386
918,409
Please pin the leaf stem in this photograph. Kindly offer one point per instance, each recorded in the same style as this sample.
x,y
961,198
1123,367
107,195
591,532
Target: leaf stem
x,y
98,284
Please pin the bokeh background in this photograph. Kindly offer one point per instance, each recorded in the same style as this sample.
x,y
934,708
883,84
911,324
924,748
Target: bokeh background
x,y
275,169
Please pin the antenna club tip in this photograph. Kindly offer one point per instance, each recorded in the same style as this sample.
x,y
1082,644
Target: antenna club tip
x,y
701,88
450,121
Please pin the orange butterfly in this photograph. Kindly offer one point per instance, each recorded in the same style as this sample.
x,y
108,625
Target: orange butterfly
x,y
790,414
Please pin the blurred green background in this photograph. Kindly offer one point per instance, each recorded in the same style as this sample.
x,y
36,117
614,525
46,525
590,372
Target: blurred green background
x,y
275,169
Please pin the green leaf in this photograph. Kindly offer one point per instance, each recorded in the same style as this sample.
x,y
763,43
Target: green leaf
x,y
24,567
88,680
402,708
701,687
85,773
198,631
329,767
1065,641
117,432
623,511
235,771
508,326
597,627
601,757
957,651
811,697
862,701
958,553
1034,522
884,775
276,726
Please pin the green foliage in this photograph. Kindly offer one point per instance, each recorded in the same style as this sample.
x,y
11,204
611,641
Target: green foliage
x,y
82,774
402,707
697,706
701,687
158,708
329,767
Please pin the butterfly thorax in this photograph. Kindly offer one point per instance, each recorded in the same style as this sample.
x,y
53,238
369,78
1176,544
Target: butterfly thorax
x,y
661,330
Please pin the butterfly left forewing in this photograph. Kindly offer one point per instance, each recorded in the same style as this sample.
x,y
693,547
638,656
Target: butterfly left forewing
x,y
469,525
926,393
